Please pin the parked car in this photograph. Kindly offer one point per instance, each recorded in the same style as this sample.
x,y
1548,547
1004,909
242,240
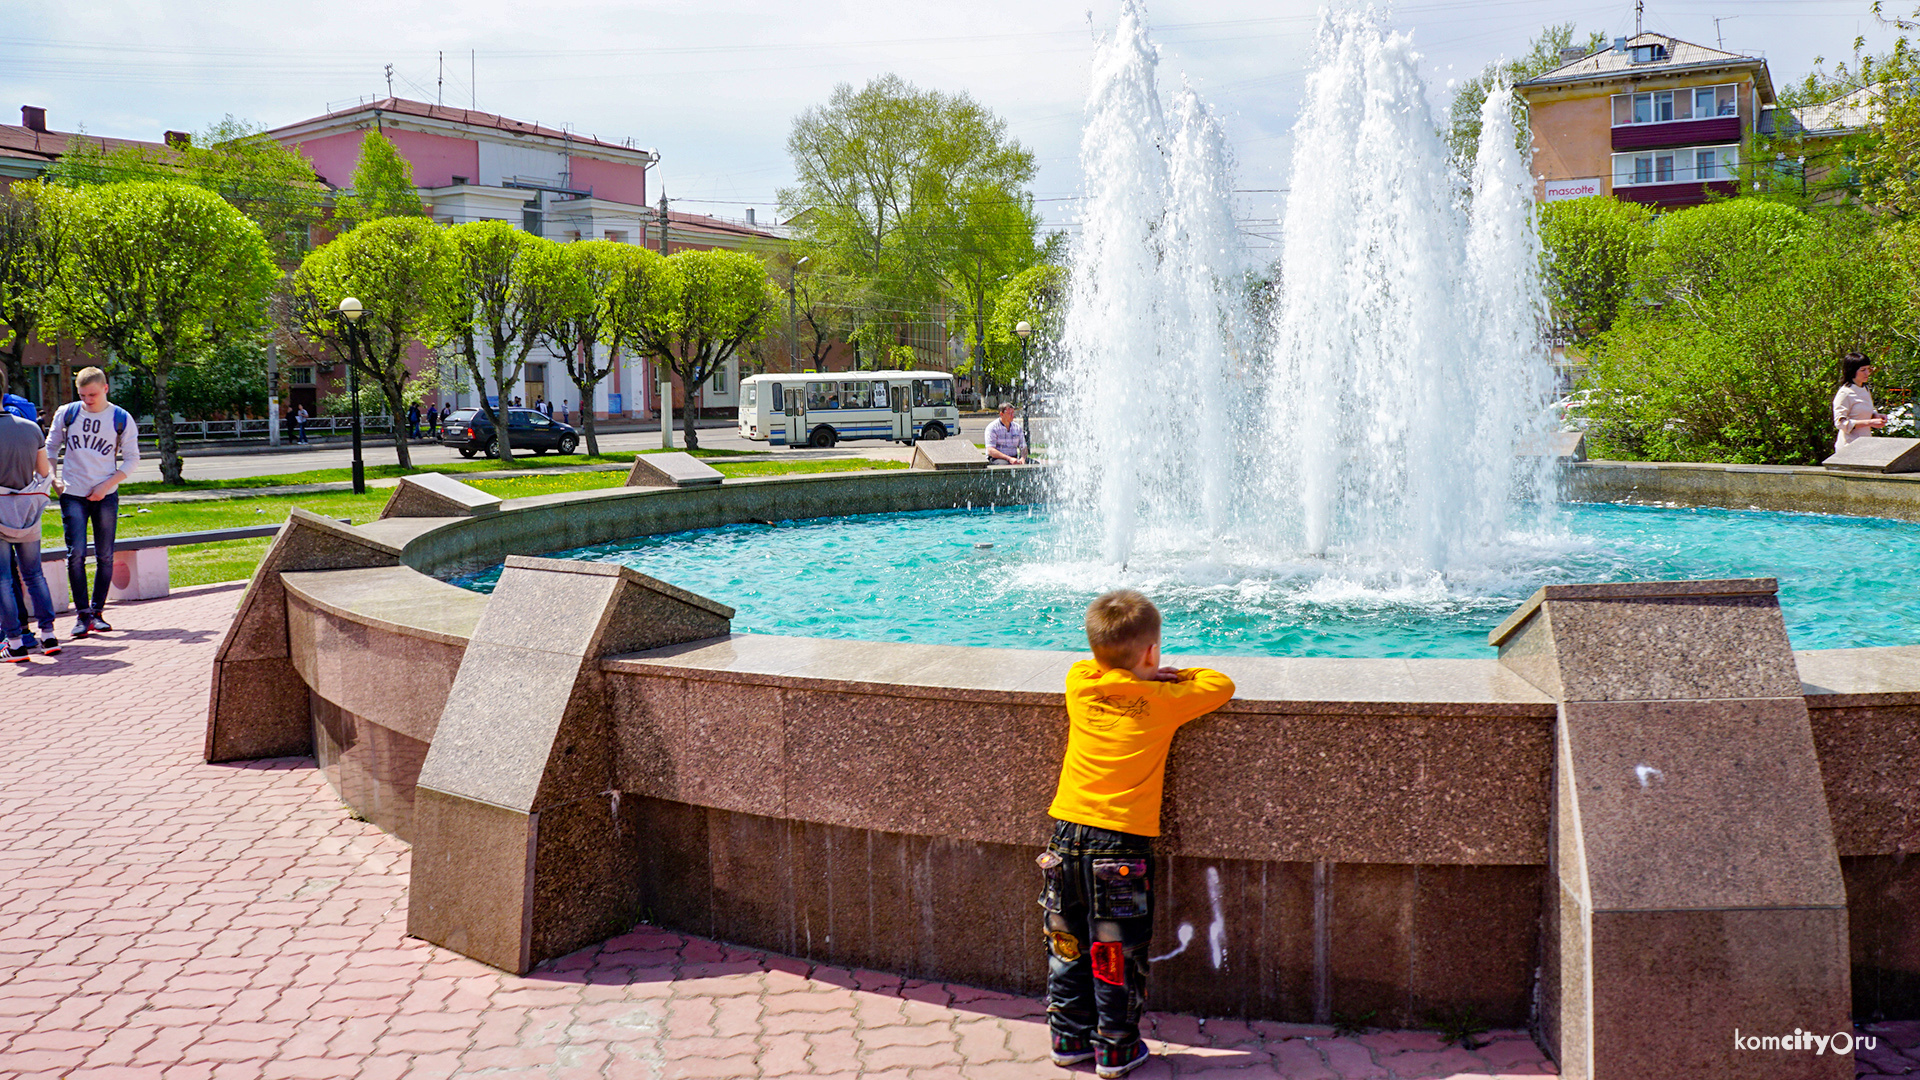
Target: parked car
x,y
470,432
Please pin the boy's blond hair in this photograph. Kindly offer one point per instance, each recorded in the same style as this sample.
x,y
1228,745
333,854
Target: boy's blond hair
x,y
1120,625
87,376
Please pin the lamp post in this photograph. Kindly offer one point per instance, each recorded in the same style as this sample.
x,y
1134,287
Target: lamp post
x,y
351,311
1025,330
793,318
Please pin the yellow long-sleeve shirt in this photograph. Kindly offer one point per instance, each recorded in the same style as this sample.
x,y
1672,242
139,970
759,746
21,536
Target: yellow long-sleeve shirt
x,y
1119,730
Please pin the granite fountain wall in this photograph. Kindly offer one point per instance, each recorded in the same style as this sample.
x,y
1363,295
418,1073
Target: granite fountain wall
x,y
589,748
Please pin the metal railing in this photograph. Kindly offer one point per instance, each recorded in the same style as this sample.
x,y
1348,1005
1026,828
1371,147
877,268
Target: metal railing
x,y
238,430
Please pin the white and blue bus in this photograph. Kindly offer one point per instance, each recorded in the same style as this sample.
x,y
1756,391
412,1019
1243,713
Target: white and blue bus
x,y
815,408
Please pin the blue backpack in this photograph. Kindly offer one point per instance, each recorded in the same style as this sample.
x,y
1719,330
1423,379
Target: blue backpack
x,y
70,415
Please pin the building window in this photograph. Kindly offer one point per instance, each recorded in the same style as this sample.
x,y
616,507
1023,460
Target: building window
x,y
618,236
300,376
1693,165
1666,106
719,380
1647,54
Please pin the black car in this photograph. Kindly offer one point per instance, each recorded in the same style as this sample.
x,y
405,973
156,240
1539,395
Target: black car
x,y
470,432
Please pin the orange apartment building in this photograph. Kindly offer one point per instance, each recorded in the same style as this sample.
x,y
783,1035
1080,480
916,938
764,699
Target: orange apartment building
x,y
1652,120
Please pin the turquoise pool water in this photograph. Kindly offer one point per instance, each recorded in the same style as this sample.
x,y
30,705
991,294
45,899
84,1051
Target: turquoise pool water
x,y
997,577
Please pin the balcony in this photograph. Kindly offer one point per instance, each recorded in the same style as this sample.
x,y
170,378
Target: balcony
x,y
1713,129
1665,196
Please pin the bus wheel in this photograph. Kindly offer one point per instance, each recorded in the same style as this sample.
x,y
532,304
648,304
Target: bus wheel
x,y
823,437
933,432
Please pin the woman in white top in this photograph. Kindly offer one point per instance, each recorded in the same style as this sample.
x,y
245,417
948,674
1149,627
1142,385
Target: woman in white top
x,y
1853,413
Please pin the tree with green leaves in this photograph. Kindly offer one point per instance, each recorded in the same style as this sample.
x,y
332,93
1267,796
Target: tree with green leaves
x,y
381,186
157,273
706,306
904,197
1592,247
401,271
32,248
1036,296
1542,56
606,295
274,185
508,286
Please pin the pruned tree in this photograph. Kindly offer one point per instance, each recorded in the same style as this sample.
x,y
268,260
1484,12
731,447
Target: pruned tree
x,y
608,292
155,273
507,285
709,304
32,248
1542,56
381,186
401,271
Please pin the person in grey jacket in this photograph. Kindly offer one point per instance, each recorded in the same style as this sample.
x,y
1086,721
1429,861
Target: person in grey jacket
x,y
94,445
25,479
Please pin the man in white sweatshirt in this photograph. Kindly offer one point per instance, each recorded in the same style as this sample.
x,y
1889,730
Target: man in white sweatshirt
x,y
93,445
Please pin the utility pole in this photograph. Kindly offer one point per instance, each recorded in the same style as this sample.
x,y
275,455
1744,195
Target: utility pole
x,y
666,373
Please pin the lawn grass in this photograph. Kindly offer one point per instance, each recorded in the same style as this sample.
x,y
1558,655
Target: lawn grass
x,y
199,564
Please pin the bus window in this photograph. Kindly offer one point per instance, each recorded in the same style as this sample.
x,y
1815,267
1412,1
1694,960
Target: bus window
x,y
919,393
853,395
753,394
817,394
940,392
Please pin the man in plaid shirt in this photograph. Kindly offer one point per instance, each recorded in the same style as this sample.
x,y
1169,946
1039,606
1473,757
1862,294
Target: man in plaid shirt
x,y
1005,441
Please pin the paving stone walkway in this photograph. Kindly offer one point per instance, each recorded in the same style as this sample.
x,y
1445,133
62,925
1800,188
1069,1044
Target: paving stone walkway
x,y
160,917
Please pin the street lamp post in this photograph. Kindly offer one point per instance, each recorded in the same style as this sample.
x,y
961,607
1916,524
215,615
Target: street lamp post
x,y
351,310
793,318
1025,330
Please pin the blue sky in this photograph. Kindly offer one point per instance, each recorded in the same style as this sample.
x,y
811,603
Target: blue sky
x,y
714,85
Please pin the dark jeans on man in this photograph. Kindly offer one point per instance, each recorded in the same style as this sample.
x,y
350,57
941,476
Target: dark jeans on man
x,y
1098,921
26,581
76,514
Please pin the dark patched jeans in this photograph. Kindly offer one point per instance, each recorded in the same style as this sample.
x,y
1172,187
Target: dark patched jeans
x,y
1098,921
76,514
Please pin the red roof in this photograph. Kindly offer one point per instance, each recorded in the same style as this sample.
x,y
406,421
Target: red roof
x,y
720,225
24,142
406,107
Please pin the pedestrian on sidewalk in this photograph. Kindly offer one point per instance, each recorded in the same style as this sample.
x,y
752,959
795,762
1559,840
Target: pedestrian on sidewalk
x,y
433,421
93,445
413,420
25,481
300,424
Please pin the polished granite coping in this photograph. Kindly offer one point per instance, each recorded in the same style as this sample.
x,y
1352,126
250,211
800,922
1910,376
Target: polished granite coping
x,y
394,598
1880,675
1031,676
1631,590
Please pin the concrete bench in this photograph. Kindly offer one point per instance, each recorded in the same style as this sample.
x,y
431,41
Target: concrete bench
x,y
139,562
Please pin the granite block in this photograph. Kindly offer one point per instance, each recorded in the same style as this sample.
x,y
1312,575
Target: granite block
x,y
1566,1006
1883,931
398,680
396,599
503,719
1234,938
944,454
1421,789
1761,972
706,743
252,710
1475,936
1371,942
1558,445
675,877
596,609
751,858
472,885
586,875
372,769
1877,455
1870,768
983,925
1700,804
671,470
922,766
435,495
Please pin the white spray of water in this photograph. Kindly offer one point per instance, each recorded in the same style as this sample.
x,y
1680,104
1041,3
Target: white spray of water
x,y
1377,437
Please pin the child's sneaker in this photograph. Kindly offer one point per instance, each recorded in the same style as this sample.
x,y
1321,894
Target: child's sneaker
x,y
1115,1063
1070,1050
15,654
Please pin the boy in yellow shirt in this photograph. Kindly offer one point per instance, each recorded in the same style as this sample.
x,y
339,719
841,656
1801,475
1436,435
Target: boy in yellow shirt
x,y
1122,711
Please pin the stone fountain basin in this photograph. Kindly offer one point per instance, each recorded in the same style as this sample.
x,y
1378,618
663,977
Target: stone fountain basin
x,y
1351,835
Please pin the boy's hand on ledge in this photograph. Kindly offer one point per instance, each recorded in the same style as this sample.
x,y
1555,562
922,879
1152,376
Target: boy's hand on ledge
x,y
1165,674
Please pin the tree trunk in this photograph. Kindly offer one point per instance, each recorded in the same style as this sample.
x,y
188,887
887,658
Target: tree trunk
x,y
163,428
17,363
503,418
586,415
689,412
402,453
